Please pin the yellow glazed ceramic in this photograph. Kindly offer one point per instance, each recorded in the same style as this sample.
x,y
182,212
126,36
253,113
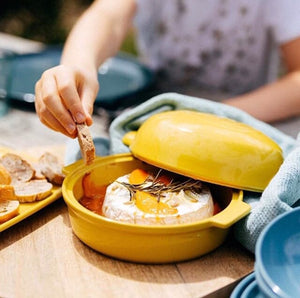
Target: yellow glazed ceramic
x,y
143,243
208,148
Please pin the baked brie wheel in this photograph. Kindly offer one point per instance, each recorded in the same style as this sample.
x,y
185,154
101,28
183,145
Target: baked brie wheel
x,y
157,202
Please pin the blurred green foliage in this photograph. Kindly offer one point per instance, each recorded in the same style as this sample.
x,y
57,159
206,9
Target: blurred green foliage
x,y
37,20
129,44
48,21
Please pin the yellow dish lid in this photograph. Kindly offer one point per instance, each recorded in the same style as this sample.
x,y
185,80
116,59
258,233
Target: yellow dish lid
x,y
208,148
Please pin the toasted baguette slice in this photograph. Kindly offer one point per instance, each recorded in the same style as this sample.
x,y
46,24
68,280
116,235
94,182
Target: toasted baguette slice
x,y
33,190
5,177
86,144
51,168
7,192
38,173
8,210
19,169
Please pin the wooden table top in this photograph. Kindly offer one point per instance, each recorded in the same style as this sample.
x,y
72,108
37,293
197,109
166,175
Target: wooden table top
x,y
41,257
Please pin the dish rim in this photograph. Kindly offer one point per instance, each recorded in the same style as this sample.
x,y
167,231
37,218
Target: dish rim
x,y
72,203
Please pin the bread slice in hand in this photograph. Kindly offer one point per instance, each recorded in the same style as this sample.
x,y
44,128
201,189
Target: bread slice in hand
x,y
86,143
33,190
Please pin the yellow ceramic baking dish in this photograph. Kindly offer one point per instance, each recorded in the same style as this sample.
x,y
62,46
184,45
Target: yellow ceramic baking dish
x,y
208,148
144,243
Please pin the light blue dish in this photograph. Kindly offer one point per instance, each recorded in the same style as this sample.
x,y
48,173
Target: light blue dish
x,y
247,288
252,291
263,286
239,289
278,254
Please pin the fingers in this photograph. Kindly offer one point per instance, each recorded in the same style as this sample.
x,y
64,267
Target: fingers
x,y
65,96
53,104
68,92
88,95
47,118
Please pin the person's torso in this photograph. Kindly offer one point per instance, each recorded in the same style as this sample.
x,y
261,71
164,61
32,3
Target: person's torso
x,y
222,44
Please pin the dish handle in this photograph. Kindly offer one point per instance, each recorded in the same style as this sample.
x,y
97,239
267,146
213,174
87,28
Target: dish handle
x,y
229,216
129,137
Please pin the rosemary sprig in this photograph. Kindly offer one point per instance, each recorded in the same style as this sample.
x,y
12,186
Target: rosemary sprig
x,y
155,187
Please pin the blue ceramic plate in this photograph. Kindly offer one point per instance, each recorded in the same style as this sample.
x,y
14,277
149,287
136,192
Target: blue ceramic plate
x,y
120,77
247,288
278,254
252,291
239,289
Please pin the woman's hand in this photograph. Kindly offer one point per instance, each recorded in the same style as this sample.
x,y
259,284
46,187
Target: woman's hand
x,y
64,96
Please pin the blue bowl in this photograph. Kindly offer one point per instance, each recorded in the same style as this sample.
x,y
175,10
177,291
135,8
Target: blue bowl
x,y
278,254
247,288
253,291
262,284
242,285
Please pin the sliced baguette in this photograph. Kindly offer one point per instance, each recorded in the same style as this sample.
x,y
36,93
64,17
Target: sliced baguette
x,y
8,210
7,192
33,190
38,173
86,143
19,169
51,168
5,177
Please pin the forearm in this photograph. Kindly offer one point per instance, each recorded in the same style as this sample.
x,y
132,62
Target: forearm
x,y
98,33
272,102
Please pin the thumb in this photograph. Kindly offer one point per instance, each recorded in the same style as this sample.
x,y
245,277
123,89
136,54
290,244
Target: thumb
x,y
88,97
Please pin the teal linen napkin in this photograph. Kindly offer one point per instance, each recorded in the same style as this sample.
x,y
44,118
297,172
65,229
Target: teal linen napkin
x,y
282,192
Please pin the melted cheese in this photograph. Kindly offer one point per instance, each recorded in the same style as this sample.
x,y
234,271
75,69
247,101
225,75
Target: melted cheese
x,y
172,208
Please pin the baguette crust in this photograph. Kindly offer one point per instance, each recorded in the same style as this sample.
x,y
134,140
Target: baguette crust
x,y
5,177
8,210
7,192
86,144
33,190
